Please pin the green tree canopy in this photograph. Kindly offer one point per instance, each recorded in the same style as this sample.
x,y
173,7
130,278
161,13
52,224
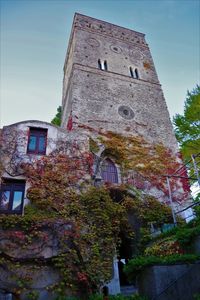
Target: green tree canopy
x,y
57,119
187,126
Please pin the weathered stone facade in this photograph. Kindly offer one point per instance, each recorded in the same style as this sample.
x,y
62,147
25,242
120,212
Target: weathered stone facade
x,y
112,99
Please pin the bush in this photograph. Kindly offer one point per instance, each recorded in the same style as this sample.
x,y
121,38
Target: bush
x,y
186,235
138,264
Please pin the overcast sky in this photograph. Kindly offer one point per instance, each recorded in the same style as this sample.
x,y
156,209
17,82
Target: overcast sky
x,y
34,38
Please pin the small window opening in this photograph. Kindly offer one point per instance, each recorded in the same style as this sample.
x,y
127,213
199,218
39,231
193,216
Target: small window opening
x,y
99,64
37,140
102,65
12,196
131,72
105,65
136,74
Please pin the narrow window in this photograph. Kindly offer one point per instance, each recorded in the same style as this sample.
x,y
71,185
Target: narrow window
x,y
99,64
109,171
37,141
105,65
136,74
102,65
12,196
131,72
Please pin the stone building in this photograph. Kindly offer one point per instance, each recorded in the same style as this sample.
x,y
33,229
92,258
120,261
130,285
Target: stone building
x,y
110,85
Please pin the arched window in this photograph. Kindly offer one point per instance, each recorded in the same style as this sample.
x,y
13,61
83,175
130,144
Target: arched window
x,y
109,171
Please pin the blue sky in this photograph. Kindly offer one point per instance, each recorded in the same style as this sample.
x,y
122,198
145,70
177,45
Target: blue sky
x,y
34,38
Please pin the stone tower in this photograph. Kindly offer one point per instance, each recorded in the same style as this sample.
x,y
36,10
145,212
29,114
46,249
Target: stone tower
x,y
110,83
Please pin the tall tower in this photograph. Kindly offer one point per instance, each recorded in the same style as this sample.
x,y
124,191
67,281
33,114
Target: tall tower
x,y
110,83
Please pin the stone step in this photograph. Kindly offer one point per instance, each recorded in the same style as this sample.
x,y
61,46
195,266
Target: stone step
x,y
128,290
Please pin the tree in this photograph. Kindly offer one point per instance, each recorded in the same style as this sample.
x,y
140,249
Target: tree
x,y
57,119
187,126
187,130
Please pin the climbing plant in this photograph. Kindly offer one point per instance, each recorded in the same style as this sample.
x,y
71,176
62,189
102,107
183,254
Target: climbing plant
x,y
83,220
143,164
73,228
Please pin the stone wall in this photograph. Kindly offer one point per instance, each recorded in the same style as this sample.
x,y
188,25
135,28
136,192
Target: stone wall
x,y
15,141
109,102
112,99
170,282
30,258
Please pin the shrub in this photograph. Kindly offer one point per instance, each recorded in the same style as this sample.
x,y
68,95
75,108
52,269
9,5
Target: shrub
x,y
138,264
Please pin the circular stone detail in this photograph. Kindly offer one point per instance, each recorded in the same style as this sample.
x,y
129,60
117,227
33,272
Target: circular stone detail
x,y
93,42
126,112
115,49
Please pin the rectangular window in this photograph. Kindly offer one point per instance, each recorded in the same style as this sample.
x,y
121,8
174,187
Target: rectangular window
x,y
12,196
37,141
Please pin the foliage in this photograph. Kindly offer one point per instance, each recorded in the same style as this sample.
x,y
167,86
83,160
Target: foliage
x,y
187,126
57,119
85,221
164,248
93,146
186,235
187,129
143,164
136,265
177,240
170,247
32,295
148,210
197,206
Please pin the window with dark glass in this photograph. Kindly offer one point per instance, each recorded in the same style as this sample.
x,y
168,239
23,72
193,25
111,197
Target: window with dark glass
x,y
12,196
37,141
109,171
